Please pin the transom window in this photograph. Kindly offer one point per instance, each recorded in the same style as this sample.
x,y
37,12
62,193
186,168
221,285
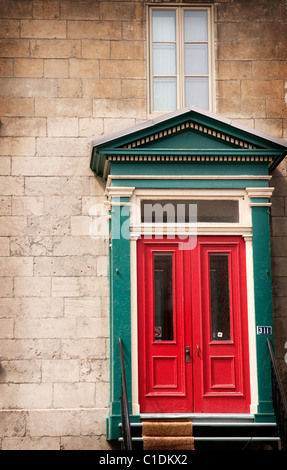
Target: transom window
x,y
180,58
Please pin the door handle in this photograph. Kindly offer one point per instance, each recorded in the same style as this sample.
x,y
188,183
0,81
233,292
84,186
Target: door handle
x,y
197,350
187,354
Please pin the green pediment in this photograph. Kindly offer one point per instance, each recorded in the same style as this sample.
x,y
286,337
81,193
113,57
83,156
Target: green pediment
x,y
187,135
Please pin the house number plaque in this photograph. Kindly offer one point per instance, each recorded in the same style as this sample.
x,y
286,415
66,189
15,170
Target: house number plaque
x,y
264,330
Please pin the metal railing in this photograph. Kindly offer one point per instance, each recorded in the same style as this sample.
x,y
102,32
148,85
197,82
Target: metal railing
x,y
279,400
126,425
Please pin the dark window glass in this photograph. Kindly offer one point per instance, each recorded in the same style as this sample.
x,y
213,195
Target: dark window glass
x,y
163,297
219,297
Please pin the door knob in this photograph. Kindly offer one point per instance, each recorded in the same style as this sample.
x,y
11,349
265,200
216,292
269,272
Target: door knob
x,y
187,354
197,350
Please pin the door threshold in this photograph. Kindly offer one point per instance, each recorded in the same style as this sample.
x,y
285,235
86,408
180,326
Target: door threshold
x,y
200,417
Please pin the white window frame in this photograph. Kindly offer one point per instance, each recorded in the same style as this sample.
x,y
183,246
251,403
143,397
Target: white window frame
x,y
179,9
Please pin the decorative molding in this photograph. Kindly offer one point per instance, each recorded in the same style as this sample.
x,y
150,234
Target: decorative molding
x,y
260,192
191,125
190,158
187,177
120,191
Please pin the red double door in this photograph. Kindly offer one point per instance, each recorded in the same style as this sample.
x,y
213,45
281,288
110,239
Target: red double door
x,y
192,326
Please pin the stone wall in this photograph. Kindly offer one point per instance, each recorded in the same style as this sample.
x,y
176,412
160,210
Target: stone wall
x,y
71,71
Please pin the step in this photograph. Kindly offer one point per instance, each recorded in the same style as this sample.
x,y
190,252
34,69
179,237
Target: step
x,y
214,428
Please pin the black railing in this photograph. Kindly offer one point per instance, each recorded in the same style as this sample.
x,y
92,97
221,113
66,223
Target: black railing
x,y
279,400
126,425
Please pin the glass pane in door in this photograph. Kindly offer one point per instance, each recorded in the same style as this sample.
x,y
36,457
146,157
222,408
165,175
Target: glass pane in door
x,y
163,297
219,297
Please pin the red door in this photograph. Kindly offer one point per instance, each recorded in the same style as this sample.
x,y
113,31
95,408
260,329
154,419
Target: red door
x,y
192,326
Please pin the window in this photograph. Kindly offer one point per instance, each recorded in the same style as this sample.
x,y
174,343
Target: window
x,y
180,58
190,211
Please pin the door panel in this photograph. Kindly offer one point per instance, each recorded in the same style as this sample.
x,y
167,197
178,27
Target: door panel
x,y
192,326
162,330
224,326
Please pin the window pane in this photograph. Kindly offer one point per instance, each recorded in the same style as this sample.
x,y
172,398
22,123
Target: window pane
x,y
164,94
196,92
163,297
189,211
219,297
163,22
196,59
164,59
195,26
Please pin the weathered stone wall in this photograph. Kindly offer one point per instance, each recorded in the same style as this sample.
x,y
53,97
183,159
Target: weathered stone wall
x,y
71,71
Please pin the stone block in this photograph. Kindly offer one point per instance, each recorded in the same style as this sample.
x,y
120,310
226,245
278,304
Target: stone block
x,y
112,10
9,28
93,328
12,266
5,204
82,307
103,30
27,205
31,246
60,371
88,10
69,87
21,371
6,67
11,226
269,70
55,423
45,328
56,186
32,287
120,68
279,227
5,166
29,349
26,396
76,395
23,127
91,127
6,331
47,28
63,107
31,443
126,50
88,68
105,88
52,48
14,48
95,49
6,287
56,68
111,108
20,146
32,68
16,9
251,89
4,246
17,106
65,287
12,423
63,147
86,349
246,51
65,266
44,9
62,127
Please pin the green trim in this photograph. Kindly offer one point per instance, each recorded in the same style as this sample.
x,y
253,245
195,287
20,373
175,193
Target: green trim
x,y
263,302
191,184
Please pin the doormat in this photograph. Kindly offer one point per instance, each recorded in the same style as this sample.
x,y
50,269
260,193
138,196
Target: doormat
x,y
167,435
